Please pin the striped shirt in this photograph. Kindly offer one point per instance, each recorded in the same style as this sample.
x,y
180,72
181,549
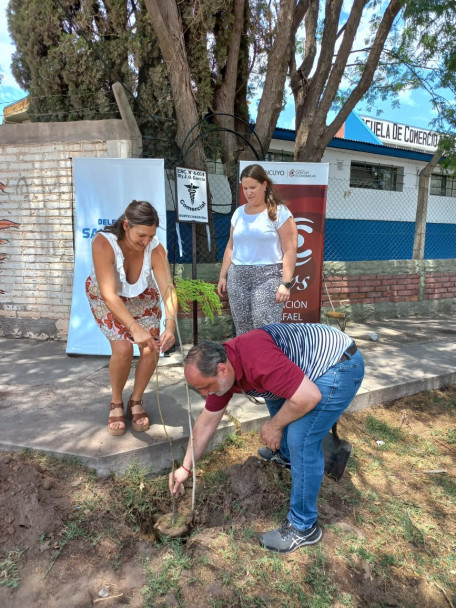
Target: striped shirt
x,y
313,347
271,362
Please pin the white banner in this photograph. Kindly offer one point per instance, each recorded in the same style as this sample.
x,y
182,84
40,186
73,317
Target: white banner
x,y
292,173
104,187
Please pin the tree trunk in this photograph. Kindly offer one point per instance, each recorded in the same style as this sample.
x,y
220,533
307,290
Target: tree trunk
x,y
271,100
225,97
314,96
167,25
421,208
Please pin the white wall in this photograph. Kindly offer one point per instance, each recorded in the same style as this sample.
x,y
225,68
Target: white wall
x,y
345,202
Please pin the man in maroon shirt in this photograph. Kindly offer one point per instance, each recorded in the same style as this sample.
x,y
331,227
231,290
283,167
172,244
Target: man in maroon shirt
x,y
308,374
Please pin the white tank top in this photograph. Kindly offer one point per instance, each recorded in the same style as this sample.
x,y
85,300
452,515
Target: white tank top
x,y
146,278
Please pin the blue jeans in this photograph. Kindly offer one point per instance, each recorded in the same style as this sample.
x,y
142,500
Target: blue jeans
x,y
302,439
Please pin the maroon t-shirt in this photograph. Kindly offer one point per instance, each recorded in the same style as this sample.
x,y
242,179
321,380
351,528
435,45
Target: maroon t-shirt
x,y
260,366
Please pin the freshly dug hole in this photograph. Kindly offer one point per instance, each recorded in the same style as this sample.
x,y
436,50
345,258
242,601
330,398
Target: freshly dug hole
x,y
173,525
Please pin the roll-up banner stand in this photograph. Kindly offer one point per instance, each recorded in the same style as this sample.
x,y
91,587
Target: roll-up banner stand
x,y
304,187
104,187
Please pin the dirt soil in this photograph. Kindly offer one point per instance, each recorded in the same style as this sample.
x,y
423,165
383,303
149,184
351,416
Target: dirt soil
x,y
70,540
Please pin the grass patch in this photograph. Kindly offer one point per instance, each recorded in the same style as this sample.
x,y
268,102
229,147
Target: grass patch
x,y
323,590
167,579
444,398
451,436
73,530
142,495
382,431
9,572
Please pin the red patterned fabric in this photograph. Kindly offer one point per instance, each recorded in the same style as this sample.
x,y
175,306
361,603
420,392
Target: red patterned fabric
x,y
145,308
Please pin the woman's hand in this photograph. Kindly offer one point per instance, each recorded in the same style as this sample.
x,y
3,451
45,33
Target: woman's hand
x,y
221,287
166,340
282,294
142,337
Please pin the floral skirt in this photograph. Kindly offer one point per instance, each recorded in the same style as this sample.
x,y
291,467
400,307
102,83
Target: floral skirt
x,y
145,308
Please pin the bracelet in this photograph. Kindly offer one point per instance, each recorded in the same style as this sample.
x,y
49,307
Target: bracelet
x,y
185,469
134,321
170,319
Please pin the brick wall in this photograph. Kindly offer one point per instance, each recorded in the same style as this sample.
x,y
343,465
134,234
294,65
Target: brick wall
x,y
388,289
370,289
363,290
36,220
440,285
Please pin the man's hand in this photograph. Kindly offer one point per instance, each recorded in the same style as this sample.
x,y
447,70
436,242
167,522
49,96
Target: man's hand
x,y
271,435
176,479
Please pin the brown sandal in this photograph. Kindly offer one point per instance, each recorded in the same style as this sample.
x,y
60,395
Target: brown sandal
x,y
135,417
111,419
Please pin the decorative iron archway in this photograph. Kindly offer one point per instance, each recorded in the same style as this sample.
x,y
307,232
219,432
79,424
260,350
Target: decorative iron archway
x,y
216,128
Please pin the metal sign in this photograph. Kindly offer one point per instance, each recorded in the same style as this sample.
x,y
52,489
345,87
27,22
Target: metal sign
x,y
395,134
192,195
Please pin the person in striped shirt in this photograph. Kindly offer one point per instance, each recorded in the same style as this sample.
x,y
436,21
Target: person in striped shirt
x,y
308,374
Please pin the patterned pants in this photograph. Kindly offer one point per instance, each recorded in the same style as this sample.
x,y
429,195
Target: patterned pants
x,y
251,292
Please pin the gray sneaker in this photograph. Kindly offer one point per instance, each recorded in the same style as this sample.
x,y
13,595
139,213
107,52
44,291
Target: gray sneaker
x,y
270,456
287,538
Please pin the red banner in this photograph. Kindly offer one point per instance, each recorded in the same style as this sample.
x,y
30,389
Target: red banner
x,y
303,186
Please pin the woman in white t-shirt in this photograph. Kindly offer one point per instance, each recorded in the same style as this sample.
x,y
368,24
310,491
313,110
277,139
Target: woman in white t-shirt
x,y
260,257
128,264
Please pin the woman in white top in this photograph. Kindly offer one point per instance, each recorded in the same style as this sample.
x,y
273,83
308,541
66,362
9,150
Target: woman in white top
x,y
128,264
260,257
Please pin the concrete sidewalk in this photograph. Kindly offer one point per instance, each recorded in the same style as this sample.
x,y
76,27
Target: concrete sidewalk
x,y
58,404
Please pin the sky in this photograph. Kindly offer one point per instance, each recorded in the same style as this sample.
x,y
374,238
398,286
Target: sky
x,y
415,108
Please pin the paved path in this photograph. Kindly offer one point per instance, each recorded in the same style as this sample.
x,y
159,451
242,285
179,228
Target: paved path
x,y
57,404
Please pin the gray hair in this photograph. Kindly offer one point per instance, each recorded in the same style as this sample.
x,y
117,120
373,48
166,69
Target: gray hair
x,y
206,356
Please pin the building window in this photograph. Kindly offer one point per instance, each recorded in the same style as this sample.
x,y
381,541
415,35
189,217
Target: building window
x,y
278,155
376,177
443,185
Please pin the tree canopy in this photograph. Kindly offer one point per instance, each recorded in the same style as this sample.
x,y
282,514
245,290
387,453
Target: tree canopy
x,y
69,54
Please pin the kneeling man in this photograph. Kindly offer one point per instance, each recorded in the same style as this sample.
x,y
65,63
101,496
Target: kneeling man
x,y
307,374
